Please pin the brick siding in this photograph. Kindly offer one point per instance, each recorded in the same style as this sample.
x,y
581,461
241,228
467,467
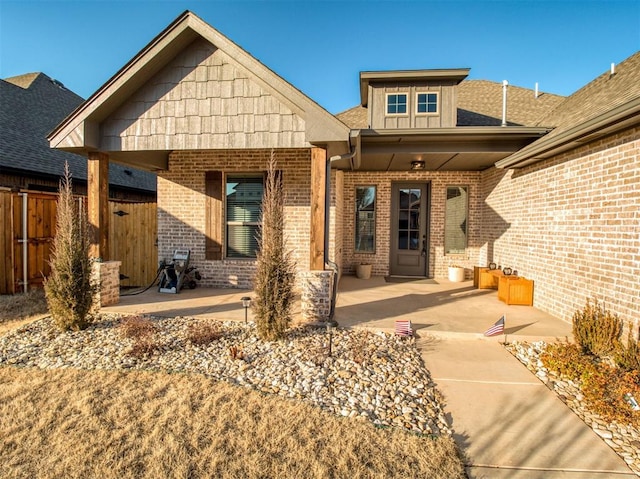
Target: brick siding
x,y
181,207
572,224
438,261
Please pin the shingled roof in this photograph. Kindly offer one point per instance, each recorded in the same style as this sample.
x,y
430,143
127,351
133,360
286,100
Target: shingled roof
x,y
480,104
31,105
608,103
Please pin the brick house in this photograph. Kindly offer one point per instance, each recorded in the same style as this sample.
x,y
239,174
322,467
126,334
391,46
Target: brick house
x,y
429,170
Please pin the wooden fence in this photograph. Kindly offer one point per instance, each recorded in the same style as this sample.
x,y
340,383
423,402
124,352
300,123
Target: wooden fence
x,y
132,239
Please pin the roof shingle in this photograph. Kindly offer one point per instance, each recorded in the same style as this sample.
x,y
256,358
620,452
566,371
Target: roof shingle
x,y
31,105
480,104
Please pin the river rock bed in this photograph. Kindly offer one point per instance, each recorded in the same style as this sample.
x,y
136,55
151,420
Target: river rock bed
x,y
624,439
373,376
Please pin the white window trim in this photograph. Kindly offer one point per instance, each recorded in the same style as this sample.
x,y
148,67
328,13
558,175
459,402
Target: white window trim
x,y
386,104
426,113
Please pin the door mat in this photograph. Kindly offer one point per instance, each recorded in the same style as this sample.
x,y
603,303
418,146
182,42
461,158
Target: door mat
x,y
404,279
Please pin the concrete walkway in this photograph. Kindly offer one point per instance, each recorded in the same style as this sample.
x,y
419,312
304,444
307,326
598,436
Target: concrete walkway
x,y
506,422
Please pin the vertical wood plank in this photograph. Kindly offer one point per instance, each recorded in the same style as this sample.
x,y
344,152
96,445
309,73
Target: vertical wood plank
x,y
98,203
318,192
213,209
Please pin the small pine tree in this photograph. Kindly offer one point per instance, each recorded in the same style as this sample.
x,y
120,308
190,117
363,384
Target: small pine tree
x,y
275,270
70,289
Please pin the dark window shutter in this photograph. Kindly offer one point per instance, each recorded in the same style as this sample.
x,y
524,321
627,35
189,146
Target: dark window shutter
x,y
213,210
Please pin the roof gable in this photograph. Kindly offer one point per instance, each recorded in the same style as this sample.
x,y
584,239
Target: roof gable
x,y
202,99
81,130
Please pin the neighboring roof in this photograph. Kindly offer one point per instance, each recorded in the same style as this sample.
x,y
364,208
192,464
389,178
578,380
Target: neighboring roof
x,y
80,132
30,106
451,74
607,104
480,104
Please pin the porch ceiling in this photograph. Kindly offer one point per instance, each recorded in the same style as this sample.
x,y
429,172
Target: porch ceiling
x,y
444,149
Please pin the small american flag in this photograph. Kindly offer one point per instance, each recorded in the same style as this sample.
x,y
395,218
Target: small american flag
x,y
497,328
403,327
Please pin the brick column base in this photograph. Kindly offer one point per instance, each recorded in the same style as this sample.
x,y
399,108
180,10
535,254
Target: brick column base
x,y
108,276
316,295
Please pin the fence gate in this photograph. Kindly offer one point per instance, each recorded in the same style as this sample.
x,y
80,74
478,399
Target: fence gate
x,y
133,241
27,228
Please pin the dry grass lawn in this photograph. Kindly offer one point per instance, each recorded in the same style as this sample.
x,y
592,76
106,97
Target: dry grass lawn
x,y
80,424
19,309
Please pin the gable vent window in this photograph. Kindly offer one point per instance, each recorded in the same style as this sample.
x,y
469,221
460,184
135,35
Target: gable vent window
x,y
243,214
396,104
427,103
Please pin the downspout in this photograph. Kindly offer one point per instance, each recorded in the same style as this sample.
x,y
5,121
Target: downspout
x,y
25,242
327,222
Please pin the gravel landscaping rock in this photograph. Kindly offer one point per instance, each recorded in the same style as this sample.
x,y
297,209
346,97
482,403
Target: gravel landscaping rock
x,y
622,438
377,377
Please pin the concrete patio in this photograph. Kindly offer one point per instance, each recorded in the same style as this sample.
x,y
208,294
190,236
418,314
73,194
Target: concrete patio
x,y
435,307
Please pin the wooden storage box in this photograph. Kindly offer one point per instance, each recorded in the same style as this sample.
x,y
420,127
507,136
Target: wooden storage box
x,y
488,278
515,290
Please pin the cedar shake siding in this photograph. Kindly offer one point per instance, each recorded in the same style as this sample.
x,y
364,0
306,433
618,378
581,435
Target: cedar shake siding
x,y
201,100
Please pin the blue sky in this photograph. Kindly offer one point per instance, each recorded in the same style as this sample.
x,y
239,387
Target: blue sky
x,y
321,46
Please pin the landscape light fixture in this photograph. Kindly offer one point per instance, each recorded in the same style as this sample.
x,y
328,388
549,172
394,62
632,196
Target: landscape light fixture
x,y
331,327
246,304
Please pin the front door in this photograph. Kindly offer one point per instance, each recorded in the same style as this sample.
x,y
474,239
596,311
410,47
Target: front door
x,y
409,253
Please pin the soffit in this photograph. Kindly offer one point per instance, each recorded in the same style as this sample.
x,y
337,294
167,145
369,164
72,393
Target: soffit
x,y
444,149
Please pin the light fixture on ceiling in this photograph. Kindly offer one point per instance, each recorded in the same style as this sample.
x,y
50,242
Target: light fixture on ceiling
x,y
417,165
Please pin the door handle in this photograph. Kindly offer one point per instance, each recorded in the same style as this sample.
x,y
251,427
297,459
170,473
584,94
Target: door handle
x,y
424,246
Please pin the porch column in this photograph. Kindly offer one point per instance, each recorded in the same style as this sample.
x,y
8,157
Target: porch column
x,y
98,204
318,191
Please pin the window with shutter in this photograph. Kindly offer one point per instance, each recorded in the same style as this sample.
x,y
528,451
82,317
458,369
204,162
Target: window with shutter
x,y
243,213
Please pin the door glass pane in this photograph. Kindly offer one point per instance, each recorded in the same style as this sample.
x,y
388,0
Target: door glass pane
x,y
404,198
414,241
403,220
409,218
415,219
403,240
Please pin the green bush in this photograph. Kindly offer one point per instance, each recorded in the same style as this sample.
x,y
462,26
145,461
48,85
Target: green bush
x,y
628,357
603,387
70,289
596,330
565,359
275,270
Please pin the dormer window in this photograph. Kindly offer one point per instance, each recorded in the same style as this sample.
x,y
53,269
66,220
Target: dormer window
x,y
396,103
427,104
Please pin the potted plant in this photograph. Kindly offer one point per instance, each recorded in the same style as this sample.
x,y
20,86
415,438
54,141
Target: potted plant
x,y
456,273
363,270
